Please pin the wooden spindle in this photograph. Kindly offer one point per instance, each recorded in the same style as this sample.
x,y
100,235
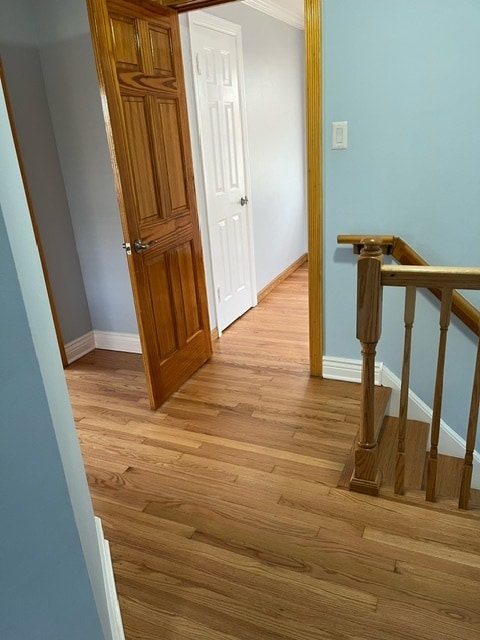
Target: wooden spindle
x,y
409,317
471,437
445,310
366,478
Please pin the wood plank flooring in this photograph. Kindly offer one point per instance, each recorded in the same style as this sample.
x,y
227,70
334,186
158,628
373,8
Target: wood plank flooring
x,y
222,507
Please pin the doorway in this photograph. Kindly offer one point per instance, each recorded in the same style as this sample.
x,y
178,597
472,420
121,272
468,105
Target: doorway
x,y
275,107
105,235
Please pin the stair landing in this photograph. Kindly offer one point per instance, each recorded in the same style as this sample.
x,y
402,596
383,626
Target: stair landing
x,y
416,445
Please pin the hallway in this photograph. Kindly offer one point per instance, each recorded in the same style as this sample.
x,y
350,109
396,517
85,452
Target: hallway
x,y
222,510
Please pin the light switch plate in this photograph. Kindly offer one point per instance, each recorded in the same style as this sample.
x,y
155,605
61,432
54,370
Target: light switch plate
x,y
339,134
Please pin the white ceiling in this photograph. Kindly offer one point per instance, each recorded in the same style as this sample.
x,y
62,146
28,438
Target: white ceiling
x,y
290,11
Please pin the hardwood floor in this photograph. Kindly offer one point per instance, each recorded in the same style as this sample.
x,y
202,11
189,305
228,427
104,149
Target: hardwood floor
x,y
222,507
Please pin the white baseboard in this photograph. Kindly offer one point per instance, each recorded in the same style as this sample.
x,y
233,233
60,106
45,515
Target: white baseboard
x,y
348,370
450,444
114,615
80,347
128,342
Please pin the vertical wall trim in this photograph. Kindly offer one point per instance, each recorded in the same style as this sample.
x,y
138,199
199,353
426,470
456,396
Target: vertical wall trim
x,y
114,613
313,71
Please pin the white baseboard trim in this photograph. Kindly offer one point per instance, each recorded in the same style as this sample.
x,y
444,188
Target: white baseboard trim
x,y
129,342
80,347
450,444
348,370
114,615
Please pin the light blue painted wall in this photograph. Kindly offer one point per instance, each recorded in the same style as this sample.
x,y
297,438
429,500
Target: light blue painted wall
x,y
405,75
21,63
274,83
75,106
48,552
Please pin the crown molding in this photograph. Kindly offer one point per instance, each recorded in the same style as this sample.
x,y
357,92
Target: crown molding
x,y
290,16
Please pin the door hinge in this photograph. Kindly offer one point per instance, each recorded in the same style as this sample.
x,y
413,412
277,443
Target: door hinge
x,y
128,248
197,60
219,295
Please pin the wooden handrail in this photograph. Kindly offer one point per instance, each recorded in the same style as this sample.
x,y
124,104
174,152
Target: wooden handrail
x,y
431,277
386,243
405,255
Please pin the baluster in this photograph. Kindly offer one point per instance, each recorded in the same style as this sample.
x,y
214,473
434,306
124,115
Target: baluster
x,y
471,436
445,310
366,477
409,317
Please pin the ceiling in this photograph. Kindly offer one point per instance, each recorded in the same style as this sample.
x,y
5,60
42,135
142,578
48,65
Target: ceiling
x,y
290,11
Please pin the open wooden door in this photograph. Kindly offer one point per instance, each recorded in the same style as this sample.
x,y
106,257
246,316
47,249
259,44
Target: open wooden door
x,y
138,54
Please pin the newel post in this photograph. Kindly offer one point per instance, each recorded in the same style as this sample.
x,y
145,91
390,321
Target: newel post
x,y
366,476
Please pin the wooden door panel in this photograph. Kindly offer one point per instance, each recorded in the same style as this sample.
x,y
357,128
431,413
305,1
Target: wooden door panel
x,y
174,296
174,160
125,42
188,302
161,48
141,152
137,46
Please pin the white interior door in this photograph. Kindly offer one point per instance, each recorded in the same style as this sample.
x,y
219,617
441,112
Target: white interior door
x,y
218,73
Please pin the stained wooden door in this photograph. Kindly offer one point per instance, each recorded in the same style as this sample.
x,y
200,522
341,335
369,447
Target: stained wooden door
x,y
138,54
218,74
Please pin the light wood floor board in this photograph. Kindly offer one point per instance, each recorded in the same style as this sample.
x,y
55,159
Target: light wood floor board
x,y
222,508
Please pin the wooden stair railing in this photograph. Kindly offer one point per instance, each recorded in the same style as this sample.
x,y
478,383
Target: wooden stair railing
x,y
366,478
403,253
372,277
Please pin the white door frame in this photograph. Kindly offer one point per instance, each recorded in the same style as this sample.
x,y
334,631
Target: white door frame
x,y
209,21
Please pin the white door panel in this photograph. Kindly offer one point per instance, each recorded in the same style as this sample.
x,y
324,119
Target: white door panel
x,y
218,73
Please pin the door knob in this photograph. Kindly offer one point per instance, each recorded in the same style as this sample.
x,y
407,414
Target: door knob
x,y
140,246
243,200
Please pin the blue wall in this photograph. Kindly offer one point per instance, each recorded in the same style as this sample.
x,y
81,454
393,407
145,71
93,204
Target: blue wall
x,y
28,99
75,106
50,578
44,586
52,82
405,75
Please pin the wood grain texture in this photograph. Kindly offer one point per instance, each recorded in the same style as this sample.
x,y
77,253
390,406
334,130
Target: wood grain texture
x,y
386,242
406,255
138,54
431,277
445,310
263,293
471,436
366,478
409,317
221,508
314,108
